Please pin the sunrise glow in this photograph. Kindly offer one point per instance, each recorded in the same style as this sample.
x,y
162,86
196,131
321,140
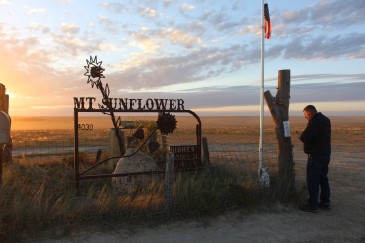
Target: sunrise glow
x,y
206,54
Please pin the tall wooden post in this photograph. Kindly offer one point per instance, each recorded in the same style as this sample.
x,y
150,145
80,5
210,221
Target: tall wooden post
x,y
4,99
4,106
279,109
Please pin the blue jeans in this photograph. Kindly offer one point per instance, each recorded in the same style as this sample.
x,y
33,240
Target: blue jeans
x,y
317,170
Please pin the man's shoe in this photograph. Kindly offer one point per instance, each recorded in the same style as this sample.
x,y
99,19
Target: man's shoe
x,y
309,208
323,205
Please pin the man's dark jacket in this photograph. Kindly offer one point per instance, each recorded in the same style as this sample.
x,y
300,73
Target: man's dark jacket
x,y
317,136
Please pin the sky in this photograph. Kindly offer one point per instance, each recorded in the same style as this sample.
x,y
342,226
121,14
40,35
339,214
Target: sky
x,y
205,52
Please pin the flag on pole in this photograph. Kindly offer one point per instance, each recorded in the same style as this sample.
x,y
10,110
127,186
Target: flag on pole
x,y
267,21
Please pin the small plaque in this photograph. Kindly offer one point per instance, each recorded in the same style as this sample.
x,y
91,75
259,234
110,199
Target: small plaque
x,y
185,157
286,129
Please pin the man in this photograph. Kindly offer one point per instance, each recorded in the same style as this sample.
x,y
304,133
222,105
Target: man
x,y
317,145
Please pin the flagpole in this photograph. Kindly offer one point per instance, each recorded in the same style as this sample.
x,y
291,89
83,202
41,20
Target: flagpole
x,y
261,89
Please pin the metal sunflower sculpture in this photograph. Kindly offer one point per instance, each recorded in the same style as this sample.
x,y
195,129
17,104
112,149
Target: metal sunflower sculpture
x,y
166,123
94,72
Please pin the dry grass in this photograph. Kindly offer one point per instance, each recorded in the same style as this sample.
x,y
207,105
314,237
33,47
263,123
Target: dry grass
x,y
40,197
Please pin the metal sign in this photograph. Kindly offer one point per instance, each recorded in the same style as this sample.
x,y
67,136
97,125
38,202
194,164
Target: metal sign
x,y
127,104
4,128
186,157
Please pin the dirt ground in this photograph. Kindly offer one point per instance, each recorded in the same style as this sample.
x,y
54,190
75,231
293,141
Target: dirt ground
x,y
345,222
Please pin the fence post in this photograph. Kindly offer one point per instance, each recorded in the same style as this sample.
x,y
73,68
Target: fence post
x,y
1,163
169,179
206,160
76,152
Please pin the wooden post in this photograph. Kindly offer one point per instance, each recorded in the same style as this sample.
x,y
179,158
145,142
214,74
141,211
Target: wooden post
x,y
4,106
76,152
279,109
4,138
1,163
206,160
169,179
4,99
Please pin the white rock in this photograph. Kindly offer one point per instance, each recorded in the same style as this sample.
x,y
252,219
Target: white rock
x,y
139,162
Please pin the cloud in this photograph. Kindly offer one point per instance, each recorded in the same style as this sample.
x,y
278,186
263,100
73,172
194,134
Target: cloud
x,y
328,76
73,46
326,88
187,44
108,24
154,41
167,3
247,95
36,11
196,65
337,13
115,7
177,36
328,92
69,28
221,21
108,47
186,7
25,69
350,46
3,2
209,97
325,15
39,27
145,42
147,12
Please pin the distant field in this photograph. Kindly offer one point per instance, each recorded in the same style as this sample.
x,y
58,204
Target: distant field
x,y
104,122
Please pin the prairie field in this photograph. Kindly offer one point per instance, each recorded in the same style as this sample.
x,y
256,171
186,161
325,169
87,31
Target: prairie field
x,y
43,145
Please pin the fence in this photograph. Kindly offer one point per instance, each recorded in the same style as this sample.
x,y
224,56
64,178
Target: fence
x,y
56,145
231,149
233,167
48,145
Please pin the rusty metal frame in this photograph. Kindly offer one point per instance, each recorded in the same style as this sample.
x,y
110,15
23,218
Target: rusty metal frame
x,y
80,175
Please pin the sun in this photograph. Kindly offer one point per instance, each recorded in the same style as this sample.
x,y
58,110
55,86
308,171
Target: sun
x,y
94,71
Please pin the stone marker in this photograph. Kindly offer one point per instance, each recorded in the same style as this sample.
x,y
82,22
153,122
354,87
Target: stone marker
x,y
139,162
